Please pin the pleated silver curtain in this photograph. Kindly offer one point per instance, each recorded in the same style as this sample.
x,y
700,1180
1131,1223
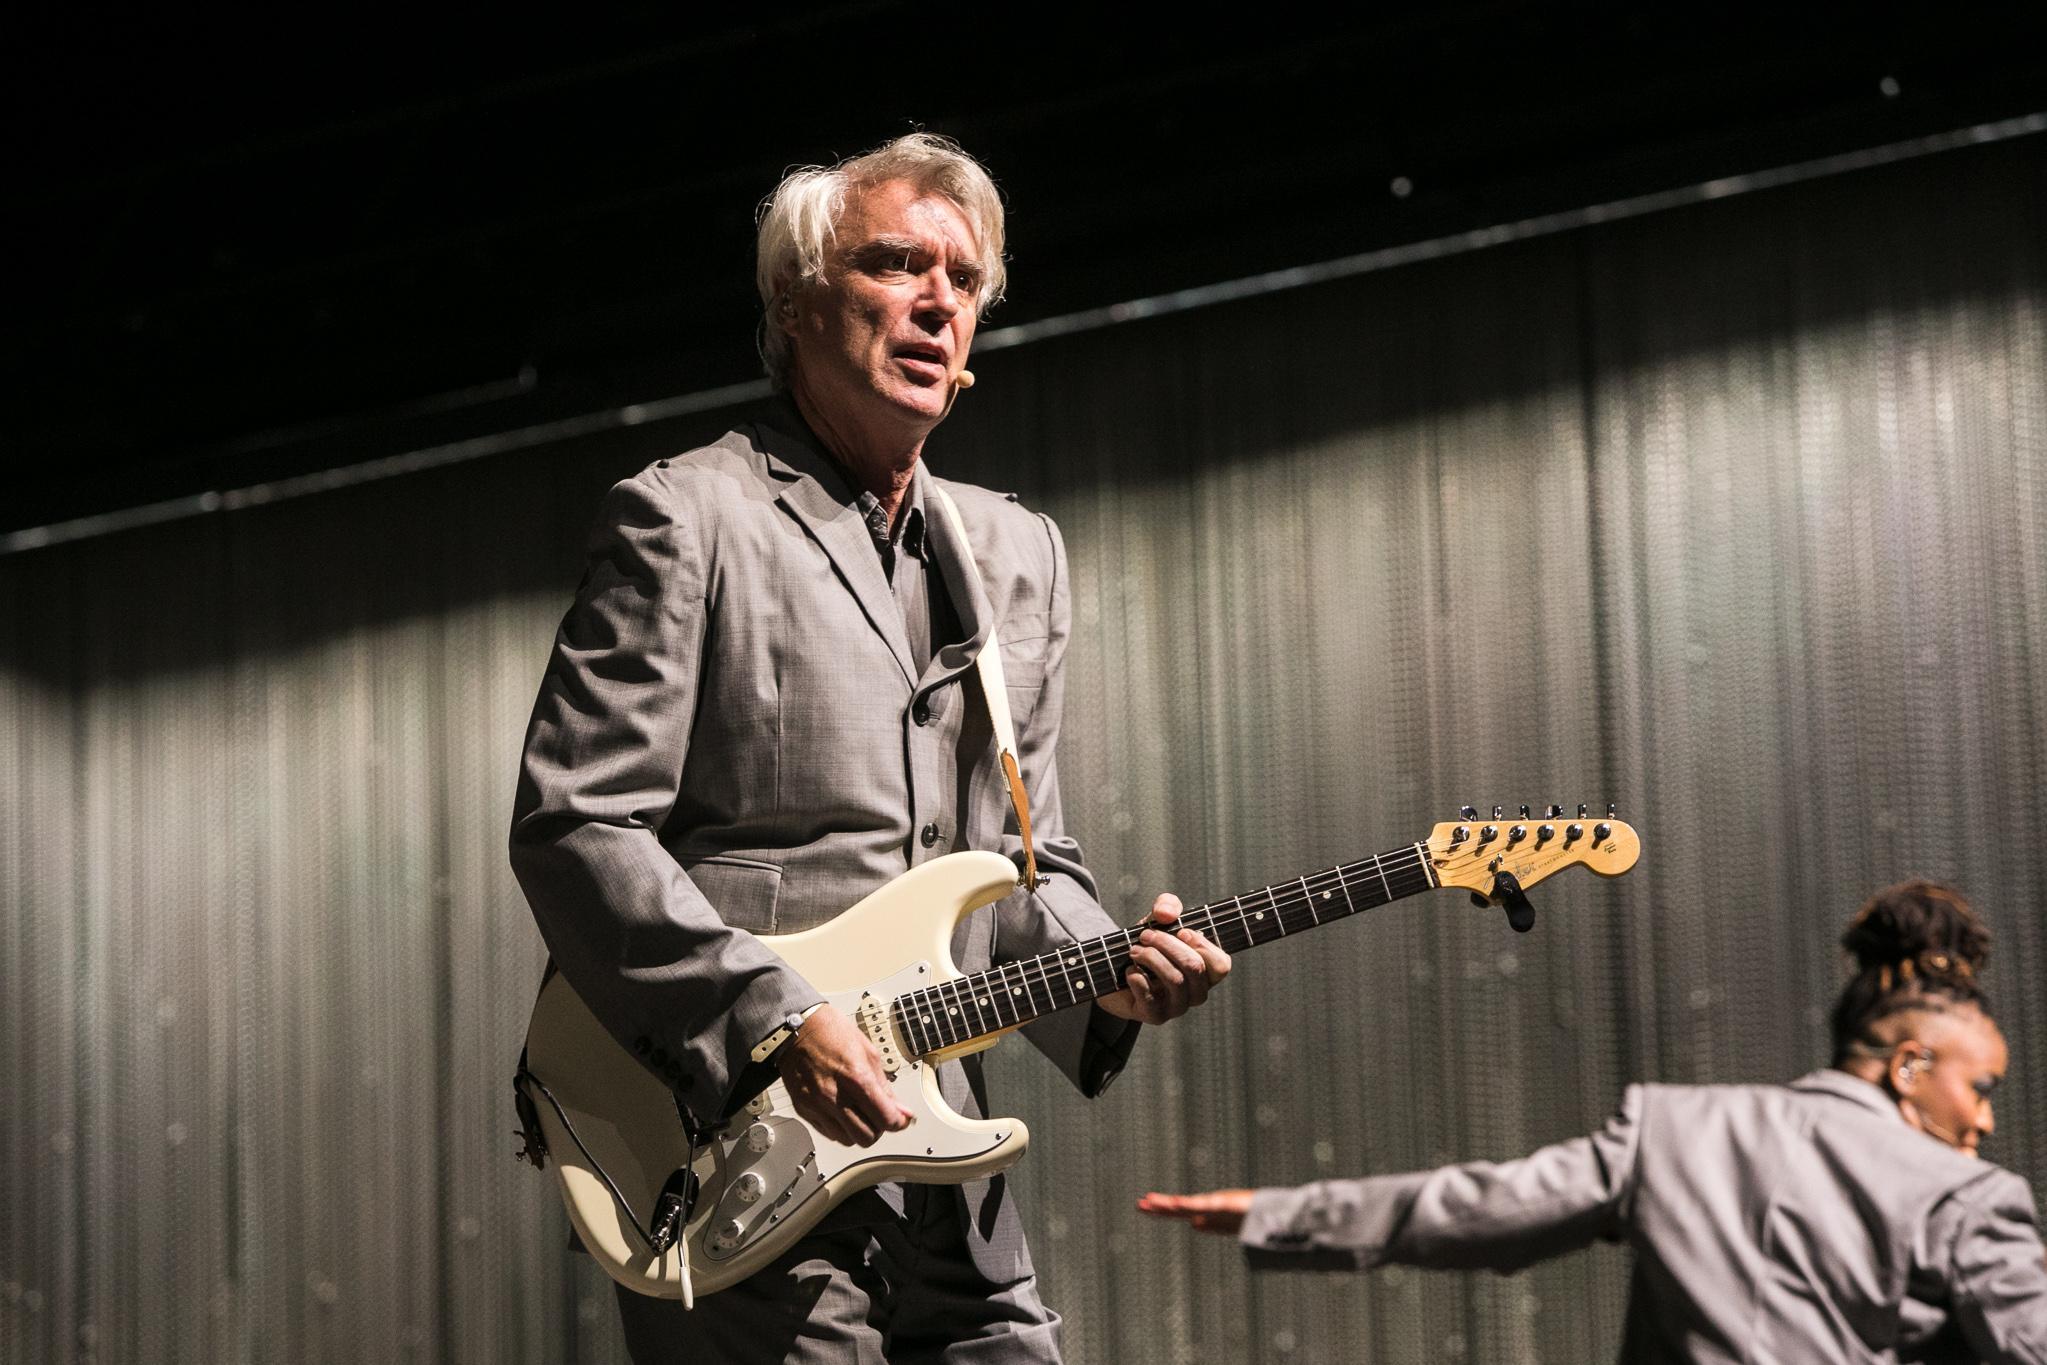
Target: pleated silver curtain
x,y
1736,516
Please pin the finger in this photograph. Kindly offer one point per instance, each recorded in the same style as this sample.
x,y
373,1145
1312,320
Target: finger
x,y
1215,963
876,1103
1141,991
1166,908
1176,979
1152,954
1180,1207
1153,994
850,1109
890,1115
884,1110
1184,955
825,1120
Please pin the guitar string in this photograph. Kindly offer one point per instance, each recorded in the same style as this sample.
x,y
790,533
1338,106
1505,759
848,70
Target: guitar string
x,y
1232,913
1105,953
964,999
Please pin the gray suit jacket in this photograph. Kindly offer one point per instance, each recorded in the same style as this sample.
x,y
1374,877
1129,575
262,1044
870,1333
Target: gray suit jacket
x,y
729,741
1783,1224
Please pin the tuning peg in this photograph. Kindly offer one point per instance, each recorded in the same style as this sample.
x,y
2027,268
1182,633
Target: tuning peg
x,y
1581,810
1552,812
1498,811
1609,810
1468,812
1524,812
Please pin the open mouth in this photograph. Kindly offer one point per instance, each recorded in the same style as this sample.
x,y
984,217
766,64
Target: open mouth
x,y
927,361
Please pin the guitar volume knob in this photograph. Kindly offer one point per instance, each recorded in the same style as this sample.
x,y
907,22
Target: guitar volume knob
x,y
749,1187
759,1137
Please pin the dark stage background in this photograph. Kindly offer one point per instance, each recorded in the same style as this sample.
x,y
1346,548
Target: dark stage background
x,y
1731,513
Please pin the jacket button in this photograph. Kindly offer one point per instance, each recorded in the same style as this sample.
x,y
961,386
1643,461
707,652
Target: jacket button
x,y
930,835
921,712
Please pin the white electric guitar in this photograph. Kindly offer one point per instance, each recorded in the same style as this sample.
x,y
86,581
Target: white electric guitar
x,y
670,1217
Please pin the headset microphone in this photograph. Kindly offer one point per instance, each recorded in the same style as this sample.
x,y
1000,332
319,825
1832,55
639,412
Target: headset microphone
x,y
963,380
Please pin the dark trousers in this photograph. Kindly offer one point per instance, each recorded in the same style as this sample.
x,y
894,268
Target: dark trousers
x,y
891,1293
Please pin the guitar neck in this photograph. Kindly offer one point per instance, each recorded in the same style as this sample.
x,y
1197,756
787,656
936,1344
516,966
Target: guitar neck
x,y
969,1008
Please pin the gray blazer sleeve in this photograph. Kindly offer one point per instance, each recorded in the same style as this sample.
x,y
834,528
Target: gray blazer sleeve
x,y
1480,1215
1090,1046
603,760
1997,1270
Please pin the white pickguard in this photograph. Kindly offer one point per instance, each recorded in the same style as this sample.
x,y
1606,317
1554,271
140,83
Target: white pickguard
x,y
625,1123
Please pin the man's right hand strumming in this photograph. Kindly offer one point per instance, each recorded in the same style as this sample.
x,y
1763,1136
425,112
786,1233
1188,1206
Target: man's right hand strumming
x,y
836,1082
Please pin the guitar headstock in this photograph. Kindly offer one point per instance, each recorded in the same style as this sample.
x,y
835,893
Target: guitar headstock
x,y
1473,852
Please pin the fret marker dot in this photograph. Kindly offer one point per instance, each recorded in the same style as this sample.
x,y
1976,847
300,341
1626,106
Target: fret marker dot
x,y
1073,962
1325,895
955,1009
984,999
1259,915
1016,990
927,1018
1078,984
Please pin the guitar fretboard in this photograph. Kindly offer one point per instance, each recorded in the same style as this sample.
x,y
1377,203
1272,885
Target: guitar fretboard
x,y
972,1007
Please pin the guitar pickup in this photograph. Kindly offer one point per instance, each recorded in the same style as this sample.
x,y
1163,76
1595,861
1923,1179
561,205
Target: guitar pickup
x,y
872,1016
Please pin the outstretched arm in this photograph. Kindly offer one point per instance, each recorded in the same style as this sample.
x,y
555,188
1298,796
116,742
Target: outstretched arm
x,y
1479,1215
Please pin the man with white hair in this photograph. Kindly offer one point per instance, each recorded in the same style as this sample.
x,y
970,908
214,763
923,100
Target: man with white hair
x,y
763,705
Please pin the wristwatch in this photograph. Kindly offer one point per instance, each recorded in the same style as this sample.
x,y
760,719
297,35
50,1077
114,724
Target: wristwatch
x,y
772,1044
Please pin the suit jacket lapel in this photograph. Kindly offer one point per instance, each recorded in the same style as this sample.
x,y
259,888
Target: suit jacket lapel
x,y
955,562
809,482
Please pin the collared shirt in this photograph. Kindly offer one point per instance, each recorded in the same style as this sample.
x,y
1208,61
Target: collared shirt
x,y
905,560
928,616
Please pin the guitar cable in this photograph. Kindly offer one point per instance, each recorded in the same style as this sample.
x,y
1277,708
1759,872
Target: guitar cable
x,y
671,1208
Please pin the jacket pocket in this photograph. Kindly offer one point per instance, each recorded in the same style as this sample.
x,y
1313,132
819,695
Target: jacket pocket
x,y
745,892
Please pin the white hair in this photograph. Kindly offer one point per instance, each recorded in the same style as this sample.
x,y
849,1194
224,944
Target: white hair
x,y
799,221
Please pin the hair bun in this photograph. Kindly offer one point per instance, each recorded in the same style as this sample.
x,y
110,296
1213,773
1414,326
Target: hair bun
x,y
1923,927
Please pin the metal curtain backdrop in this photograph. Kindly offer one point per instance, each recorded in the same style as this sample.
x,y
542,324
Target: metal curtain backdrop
x,y
1733,515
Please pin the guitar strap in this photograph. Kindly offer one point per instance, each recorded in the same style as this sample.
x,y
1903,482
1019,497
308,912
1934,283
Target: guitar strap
x,y
988,666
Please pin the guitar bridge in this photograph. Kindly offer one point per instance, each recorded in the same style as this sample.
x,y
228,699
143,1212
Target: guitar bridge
x,y
872,1016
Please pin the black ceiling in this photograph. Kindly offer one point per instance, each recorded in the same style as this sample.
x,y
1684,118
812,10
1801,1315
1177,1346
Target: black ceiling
x,y
252,249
